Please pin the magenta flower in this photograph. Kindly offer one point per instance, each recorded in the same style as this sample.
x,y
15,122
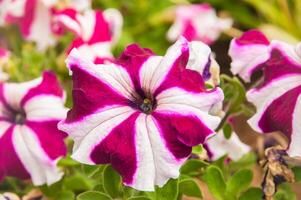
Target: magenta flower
x,y
95,31
30,143
35,18
197,22
277,98
142,115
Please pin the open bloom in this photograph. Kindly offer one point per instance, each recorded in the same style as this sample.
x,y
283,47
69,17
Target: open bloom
x,y
277,98
218,146
30,143
142,115
95,31
197,22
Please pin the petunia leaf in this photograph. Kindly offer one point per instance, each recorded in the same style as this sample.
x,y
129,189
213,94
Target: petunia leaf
x,y
78,182
252,194
139,198
65,195
227,129
216,182
189,187
297,173
169,191
112,182
192,166
92,195
239,182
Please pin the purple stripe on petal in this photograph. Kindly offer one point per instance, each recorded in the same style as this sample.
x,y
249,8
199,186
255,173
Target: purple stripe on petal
x,y
206,72
179,76
90,94
48,86
189,129
252,37
118,148
101,29
10,164
132,59
279,65
51,139
279,115
171,136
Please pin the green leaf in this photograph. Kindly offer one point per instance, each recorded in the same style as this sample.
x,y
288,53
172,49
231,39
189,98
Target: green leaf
x,y
65,195
227,129
139,198
285,192
297,173
67,162
190,188
169,191
192,166
197,149
93,195
252,194
239,182
78,182
112,182
216,182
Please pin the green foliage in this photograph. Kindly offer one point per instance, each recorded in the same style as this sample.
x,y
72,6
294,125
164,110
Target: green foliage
x,y
216,182
252,194
189,187
92,195
285,193
112,182
227,129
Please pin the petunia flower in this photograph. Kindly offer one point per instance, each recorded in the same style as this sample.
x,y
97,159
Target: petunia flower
x,y
30,143
95,31
35,18
277,98
142,115
197,22
218,146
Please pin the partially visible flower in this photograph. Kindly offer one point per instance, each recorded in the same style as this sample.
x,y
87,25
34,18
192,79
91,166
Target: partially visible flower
x,y
30,143
95,31
277,98
4,57
9,196
35,18
142,115
218,146
248,53
197,22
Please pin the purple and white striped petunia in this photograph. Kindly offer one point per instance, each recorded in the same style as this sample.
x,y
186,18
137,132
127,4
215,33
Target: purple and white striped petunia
x,y
218,146
277,98
197,22
30,143
143,114
95,31
34,19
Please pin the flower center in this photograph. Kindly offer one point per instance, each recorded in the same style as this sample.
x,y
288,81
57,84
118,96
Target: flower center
x,y
19,117
146,106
